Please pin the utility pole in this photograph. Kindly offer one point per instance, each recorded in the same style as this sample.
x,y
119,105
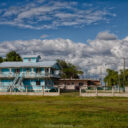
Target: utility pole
x,y
124,75
101,75
88,74
119,80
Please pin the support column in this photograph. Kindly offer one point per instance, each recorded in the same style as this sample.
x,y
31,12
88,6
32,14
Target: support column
x,y
22,72
10,71
0,83
32,71
26,89
0,72
45,72
49,72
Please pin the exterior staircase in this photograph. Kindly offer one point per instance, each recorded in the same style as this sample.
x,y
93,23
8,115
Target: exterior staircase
x,y
17,84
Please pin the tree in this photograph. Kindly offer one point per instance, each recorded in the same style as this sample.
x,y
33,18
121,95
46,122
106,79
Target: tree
x,y
69,70
13,56
1,59
114,78
111,78
121,77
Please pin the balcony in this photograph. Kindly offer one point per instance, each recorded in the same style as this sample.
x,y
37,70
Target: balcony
x,y
29,75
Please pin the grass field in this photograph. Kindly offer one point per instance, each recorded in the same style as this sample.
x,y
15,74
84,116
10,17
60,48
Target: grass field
x,y
66,111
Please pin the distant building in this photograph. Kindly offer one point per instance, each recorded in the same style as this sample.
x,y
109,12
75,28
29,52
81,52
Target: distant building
x,y
75,84
31,74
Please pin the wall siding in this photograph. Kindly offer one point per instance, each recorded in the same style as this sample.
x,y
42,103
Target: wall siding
x,y
32,60
5,71
31,84
6,82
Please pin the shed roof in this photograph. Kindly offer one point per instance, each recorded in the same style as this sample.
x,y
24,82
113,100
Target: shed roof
x,y
28,64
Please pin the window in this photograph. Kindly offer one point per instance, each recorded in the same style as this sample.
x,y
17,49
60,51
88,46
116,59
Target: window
x,y
27,69
38,70
90,83
80,84
38,83
29,59
51,70
46,70
17,70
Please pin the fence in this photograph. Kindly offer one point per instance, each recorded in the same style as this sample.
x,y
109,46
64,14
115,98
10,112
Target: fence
x,y
103,91
43,92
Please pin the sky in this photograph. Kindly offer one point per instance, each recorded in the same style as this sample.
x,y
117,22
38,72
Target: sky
x,y
84,32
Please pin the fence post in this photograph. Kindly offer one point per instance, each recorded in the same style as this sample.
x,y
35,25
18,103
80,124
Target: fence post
x,y
119,88
26,89
80,91
59,90
96,92
112,91
10,89
104,88
43,90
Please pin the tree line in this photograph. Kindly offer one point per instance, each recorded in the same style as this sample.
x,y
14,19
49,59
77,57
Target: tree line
x,y
68,70
115,78
11,56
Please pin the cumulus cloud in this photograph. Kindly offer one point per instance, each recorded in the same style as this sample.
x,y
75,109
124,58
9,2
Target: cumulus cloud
x,y
99,54
44,14
106,36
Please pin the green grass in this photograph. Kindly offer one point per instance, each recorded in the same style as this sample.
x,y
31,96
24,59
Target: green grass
x,y
65,111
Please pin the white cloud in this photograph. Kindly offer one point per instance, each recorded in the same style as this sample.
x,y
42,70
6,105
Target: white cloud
x,y
43,14
106,36
107,50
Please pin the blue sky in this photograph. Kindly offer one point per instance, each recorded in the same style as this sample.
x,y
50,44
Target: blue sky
x,y
70,19
83,32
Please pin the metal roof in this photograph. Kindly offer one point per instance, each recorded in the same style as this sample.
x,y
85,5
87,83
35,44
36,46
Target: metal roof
x,y
84,79
27,64
31,56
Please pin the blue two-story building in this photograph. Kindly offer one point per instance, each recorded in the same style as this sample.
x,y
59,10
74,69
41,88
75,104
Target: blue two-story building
x,y
31,74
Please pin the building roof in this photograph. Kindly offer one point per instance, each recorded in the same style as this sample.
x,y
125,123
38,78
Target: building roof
x,y
84,79
30,56
27,64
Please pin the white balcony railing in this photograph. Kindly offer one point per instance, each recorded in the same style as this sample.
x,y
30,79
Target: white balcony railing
x,y
29,75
